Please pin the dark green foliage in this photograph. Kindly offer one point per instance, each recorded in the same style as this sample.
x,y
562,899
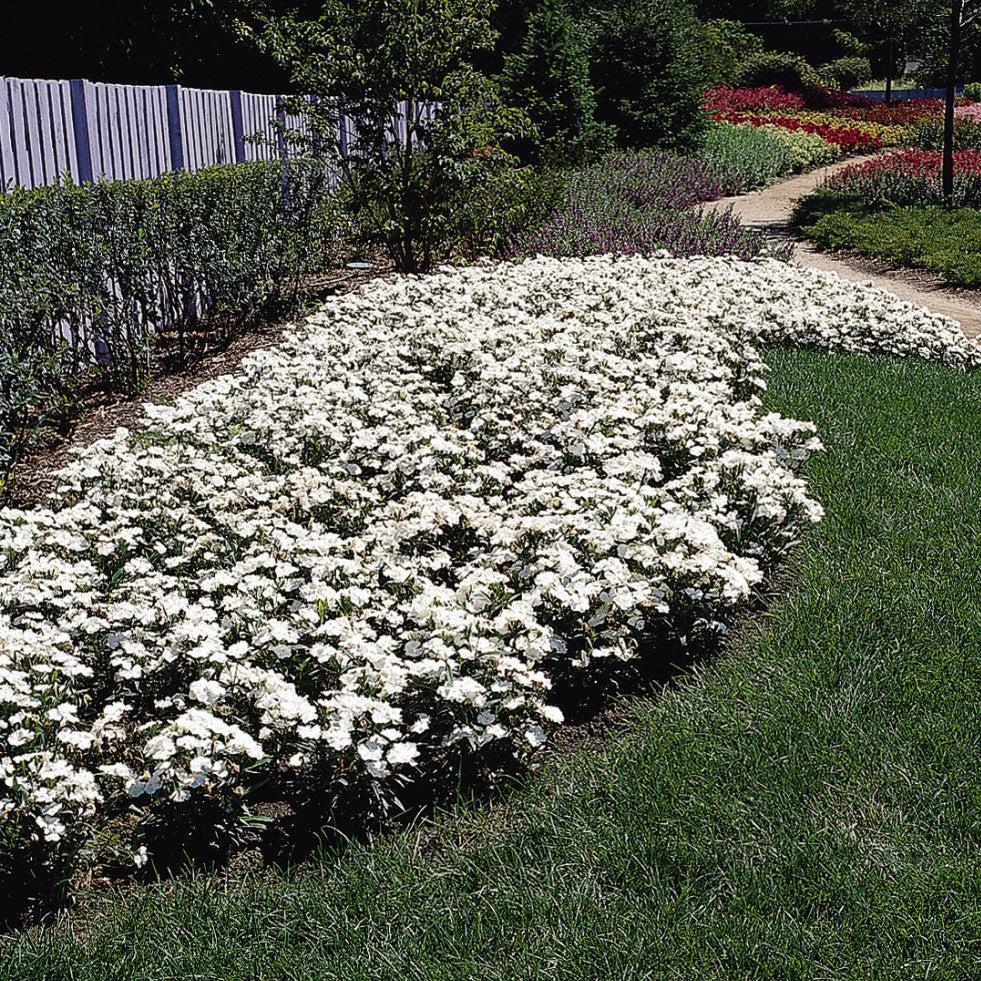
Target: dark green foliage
x,y
650,66
427,186
548,77
97,278
789,71
846,73
805,805
730,44
942,241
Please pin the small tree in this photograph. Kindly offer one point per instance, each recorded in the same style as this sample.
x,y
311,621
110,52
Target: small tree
x,y
650,65
548,76
426,178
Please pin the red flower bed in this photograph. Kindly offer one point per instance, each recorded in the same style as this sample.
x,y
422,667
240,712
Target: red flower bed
x,y
911,177
769,99
897,114
849,139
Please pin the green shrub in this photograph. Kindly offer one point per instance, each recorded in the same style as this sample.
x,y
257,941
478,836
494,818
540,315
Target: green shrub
x,y
745,157
730,44
649,62
548,77
973,91
930,135
846,73
806,149
789,71
95,277
946,242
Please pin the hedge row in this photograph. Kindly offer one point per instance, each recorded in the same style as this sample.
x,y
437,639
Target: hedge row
x,y
98,280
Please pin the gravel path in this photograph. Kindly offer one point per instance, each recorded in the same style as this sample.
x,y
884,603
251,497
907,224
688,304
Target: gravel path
x,y
770,210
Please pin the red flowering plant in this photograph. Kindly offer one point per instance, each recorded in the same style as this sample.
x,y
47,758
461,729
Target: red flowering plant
x,y
769,99
849,138
911,177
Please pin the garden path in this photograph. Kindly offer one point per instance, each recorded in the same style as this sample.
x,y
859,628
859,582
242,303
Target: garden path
x,y
770,210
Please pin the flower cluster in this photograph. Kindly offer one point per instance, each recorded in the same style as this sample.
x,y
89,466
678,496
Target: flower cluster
x,y
850,136
911,177
380,543
971,112
771,98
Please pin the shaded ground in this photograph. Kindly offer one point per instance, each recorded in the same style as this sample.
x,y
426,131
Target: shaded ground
x,y
769,210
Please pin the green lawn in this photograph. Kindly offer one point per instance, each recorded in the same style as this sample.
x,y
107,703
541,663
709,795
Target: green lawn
x,y
945,242
806,806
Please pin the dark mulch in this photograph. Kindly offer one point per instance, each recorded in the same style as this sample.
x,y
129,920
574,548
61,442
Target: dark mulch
x,y
99,413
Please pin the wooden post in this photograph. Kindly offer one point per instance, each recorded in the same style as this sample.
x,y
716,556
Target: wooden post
x,y
175,128
80,129
238,127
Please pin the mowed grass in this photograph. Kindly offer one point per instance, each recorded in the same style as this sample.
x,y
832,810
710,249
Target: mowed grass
x,y
806,805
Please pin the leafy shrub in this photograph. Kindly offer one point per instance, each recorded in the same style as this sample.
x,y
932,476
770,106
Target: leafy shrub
x,y
425,203
639,202
745,157
94,277
789,71
930,135
548,77
911,177
846,73
973,91
928,237
730,44
649,63
806,149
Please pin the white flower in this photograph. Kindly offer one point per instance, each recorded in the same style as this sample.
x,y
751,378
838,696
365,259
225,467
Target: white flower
x,y
405,522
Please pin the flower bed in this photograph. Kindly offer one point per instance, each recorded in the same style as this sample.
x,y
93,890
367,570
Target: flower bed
x,y
850,137
854,123
911,177
771,98
376,547
638,203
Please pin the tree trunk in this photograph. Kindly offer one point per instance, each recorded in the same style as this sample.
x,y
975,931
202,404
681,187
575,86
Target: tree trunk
x,y
889,57
956,8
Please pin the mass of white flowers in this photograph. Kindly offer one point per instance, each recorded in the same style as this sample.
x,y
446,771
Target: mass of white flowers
x,y
381,542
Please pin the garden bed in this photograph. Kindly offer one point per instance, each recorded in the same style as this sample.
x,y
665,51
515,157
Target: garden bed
x,y
375,549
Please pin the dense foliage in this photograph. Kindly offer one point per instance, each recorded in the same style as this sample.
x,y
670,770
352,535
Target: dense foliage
x,y
943,241
97,279
649,63
638,202
549,77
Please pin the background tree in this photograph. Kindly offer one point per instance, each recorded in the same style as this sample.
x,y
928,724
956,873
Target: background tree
x,y
548,76
423,184
650,66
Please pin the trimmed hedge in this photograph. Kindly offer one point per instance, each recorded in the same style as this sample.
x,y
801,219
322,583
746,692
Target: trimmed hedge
x,y
95,277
